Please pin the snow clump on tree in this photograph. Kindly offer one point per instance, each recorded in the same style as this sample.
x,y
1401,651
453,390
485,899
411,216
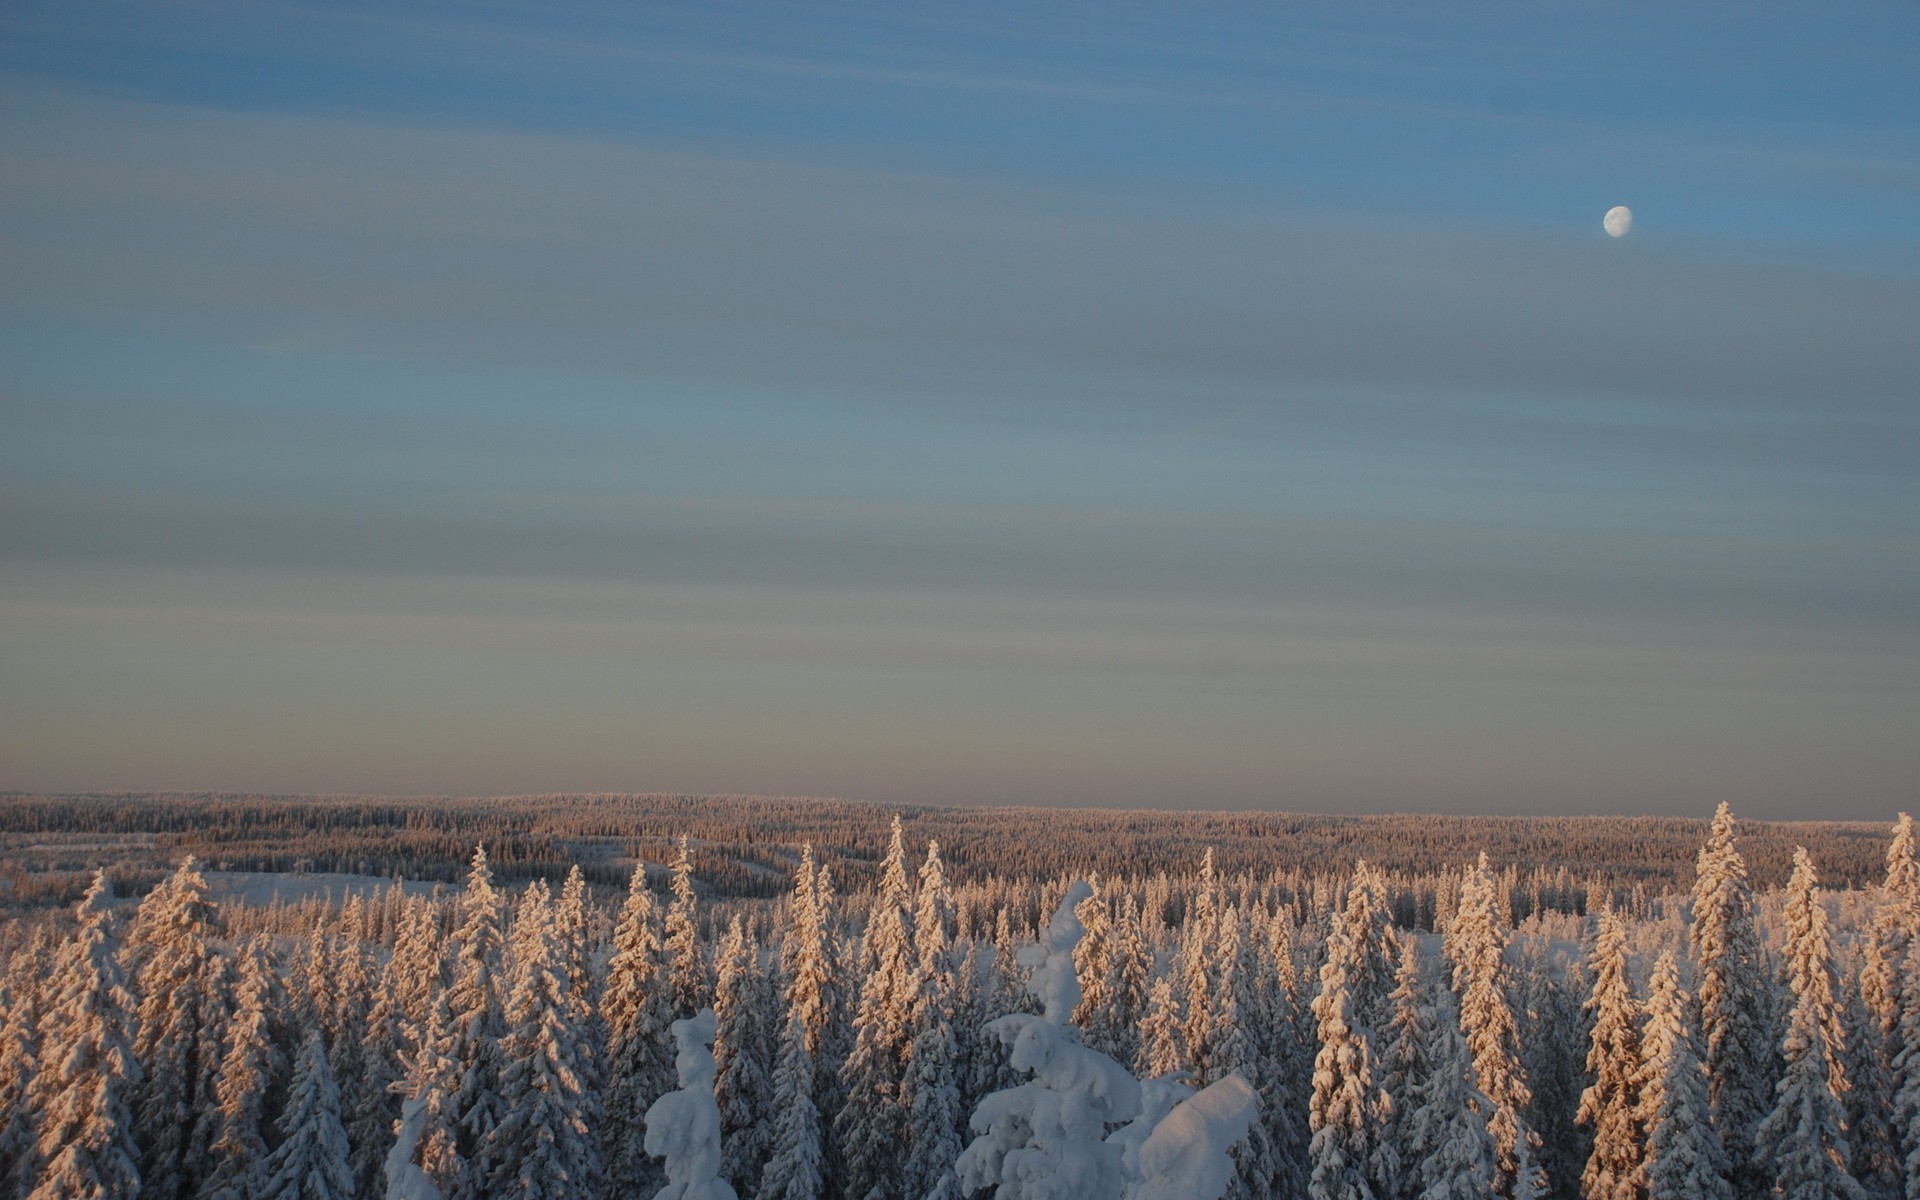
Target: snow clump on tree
x,y
683,1127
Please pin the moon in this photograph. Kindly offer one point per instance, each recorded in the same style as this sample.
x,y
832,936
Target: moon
x,y
1618,220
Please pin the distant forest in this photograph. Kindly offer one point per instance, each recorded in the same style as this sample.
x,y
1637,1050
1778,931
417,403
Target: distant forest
x,y
747,846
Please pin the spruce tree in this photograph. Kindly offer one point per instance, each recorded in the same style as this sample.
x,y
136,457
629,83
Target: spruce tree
x,y
473,1003
743,1083
1406,1060
1554,1044
1906,1068
86,1148
428,1089
20,1021
1806,1132
310,1163
637,1010
543,1147
930,1090
1348,1111
254,1071
873,1125
1736,1024
1448,1154
1162,1050
796,1166
1684,1157
688,984
1476,941
1610,1106
184,1008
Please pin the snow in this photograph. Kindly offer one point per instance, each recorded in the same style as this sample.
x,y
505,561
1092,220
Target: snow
x,y
683,1127
405,1180
1188,1154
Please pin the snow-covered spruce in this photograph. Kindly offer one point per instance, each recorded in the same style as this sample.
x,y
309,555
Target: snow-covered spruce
x,y
1805,1134
1684,1157
1735,986
311,1161
1610,1107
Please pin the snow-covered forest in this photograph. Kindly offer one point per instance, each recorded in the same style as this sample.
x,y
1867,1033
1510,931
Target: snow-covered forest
x,y
885,1026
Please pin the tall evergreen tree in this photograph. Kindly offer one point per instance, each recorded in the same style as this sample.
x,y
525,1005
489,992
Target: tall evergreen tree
x,y
930,1090
253,1075
1806,1132
83,1090
183,1015
543,1147
428,1120
873,1125
1554,1044
1684,1157
688,984
743,1082
1448,1152
473,1001
1406,1061
637,1009
20,1020
1348,1111
796,1167
1162,1049
1476,942
1610,1107
1906,1067
310,1163
1736,1025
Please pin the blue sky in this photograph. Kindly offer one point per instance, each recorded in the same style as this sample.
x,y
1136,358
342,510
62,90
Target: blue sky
x,y
1221,405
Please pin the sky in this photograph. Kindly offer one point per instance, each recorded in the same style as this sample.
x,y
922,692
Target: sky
x,y
1217,405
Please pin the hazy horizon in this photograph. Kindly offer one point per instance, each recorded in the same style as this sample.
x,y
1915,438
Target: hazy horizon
x,y
1030,404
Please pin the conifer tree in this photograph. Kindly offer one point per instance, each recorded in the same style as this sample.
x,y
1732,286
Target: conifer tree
x,y
1684,1157
688,984
253,1073
20,1020
1556,1036
1162,1049
427,1134
414,974
183,1015
1736,1024
473,1003
1476,941
873,1125
543,1147
1289,1049
310,1163
1129,975
1806,1131
796,1167
1870,1093
638,1011
1235,1048
930,1090
743,1084
1199,960
1348,1111
1610,1106
1406,1060
570,926
1906,1069
1447,1151
1094,962
86,1149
